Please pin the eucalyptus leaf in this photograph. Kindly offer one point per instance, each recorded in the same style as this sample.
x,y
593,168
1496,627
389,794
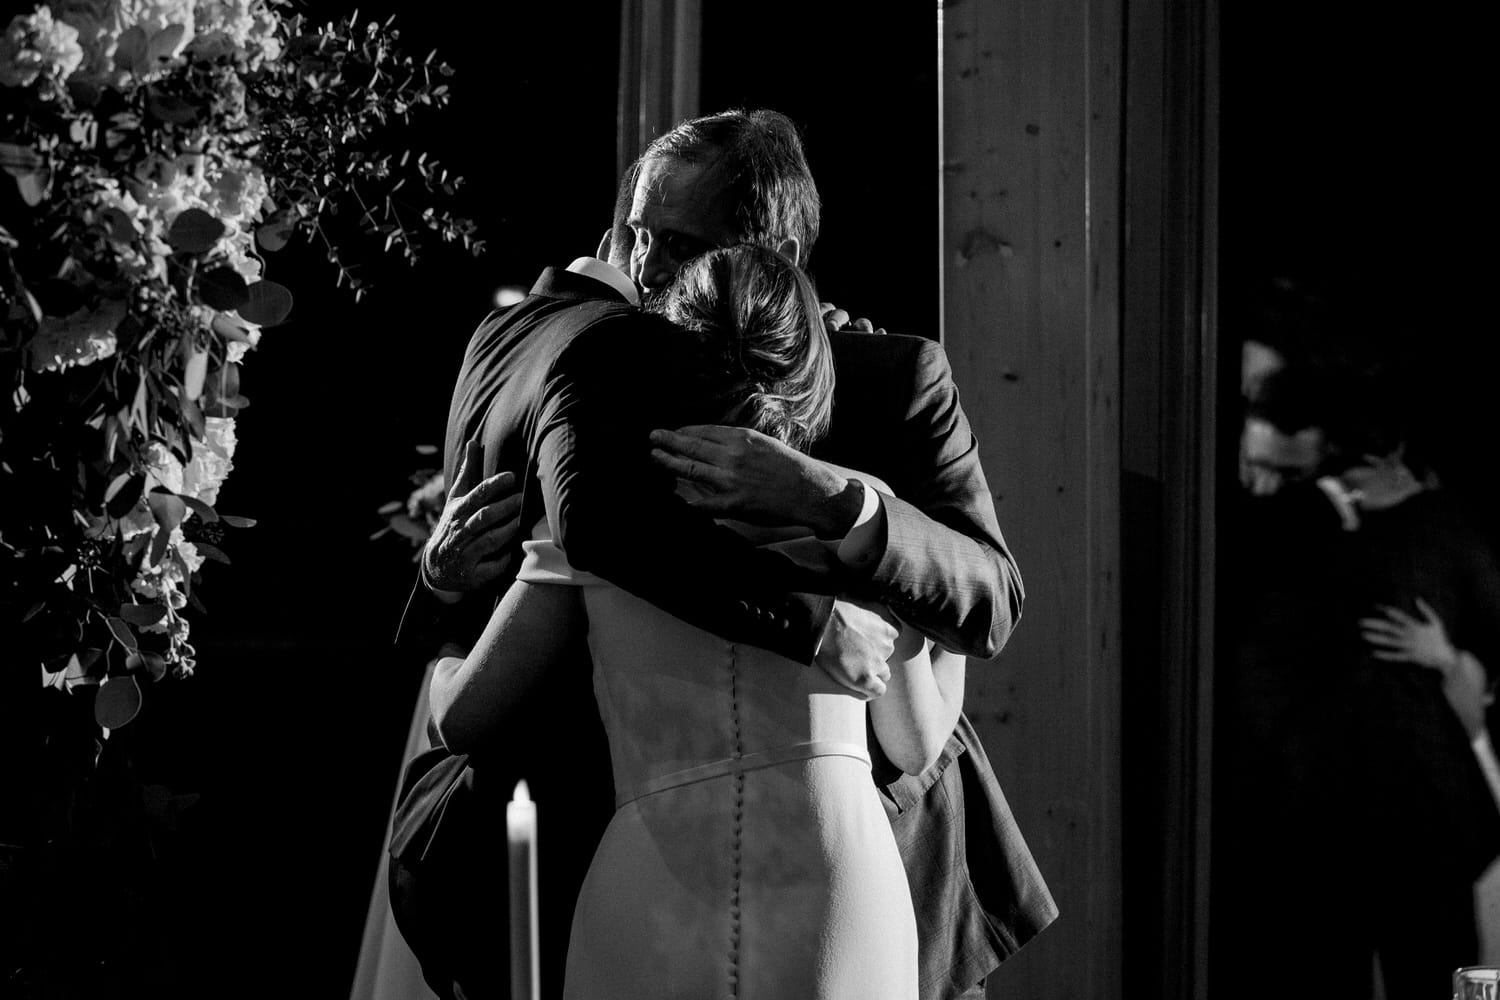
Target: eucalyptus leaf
x,y
408,528
194,370
18,161
205,513
125,494
274,235
168,509
268,305
121,227
196,231
222,288
164,42
122,633
143,614
130,48
117,701
208,551
34,187
159,543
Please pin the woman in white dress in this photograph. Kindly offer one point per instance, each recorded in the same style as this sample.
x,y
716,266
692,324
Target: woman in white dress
x,y
749,856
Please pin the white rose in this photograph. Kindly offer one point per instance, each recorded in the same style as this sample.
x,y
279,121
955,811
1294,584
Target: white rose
x,y
212,460
35,45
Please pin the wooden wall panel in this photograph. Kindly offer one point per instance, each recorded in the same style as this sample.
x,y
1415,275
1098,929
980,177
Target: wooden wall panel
x,y
1031,102
660,49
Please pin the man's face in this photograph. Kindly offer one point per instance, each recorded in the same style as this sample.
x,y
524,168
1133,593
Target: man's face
x,y
677,214
1271,458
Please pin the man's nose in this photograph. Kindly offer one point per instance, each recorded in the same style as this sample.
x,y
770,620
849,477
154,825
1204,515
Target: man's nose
x,y
655,267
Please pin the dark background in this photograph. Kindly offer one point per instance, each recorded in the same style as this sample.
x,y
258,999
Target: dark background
x,y
1353,164
291,732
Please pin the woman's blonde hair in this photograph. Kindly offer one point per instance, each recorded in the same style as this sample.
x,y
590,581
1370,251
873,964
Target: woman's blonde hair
x,y
762,311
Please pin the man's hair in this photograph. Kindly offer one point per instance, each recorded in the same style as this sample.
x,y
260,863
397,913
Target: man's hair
x,y
757,157
762,312
622,237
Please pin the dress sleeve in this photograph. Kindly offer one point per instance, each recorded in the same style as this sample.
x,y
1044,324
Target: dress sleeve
x,y
543,561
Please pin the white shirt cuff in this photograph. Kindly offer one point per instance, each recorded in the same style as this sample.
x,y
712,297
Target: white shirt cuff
x,y
860,547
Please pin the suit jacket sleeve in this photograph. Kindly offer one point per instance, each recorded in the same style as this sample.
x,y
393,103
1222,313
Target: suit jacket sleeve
x,y
615,514
945,569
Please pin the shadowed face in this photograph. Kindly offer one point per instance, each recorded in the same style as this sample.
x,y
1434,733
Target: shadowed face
x,y
1270,458
677,214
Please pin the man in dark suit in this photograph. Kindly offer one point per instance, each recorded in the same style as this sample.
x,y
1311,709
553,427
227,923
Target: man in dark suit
x,y
931,551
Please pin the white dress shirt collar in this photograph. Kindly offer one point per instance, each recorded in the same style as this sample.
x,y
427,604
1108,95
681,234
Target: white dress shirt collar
x,y
602,270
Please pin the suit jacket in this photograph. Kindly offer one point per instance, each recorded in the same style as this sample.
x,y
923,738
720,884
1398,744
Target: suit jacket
x,y
565,386
977,893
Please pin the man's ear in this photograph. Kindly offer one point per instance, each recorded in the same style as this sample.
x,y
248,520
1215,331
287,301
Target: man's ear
x,y
791,249
604,245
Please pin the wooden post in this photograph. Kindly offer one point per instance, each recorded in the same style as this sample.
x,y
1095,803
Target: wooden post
x,y
660,42
1032,97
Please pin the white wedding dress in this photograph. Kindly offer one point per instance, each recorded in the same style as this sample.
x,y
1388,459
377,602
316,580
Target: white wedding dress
x,y
749,857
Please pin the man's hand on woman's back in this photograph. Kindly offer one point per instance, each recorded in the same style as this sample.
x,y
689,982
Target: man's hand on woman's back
x,y
479,521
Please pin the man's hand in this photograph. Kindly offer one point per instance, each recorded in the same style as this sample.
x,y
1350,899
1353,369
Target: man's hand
x,y
836,319
1381,482
740,473
477,524
856,645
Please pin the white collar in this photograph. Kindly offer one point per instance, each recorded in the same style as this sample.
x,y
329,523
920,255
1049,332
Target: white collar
x,y
603,270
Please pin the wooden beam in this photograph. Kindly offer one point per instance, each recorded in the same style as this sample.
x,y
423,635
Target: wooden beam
x,y
660,78
1032,95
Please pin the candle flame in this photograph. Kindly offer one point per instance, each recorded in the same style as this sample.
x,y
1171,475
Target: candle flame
x,y
523,794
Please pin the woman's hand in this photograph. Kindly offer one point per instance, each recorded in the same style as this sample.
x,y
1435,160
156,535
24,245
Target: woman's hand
x,y
1399,637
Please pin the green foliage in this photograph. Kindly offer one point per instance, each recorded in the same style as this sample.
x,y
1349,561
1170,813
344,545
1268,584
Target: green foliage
x,y
154,166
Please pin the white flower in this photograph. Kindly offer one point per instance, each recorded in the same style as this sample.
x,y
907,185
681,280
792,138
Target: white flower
x,y
78,339
155,17
265,34
168,186
203,474
212,460
238,192
163,468
239,254
166,579
236,350
97,23
35,45
239,28
426,501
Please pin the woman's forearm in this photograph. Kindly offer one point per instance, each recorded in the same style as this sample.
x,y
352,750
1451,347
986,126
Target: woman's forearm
x,y
920,707
472,696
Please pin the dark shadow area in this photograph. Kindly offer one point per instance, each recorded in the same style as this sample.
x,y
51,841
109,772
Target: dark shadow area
x,y
863,89
292,729
1350,185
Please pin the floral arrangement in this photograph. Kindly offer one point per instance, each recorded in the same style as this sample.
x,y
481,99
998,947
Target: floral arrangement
x,y
415,518
157,151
